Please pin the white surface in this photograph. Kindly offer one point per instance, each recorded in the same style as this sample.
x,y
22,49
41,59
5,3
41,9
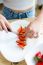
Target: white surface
x,y
8,45
9,48
32,49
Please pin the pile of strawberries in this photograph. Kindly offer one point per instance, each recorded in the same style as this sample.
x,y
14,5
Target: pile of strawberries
x,y
22,38
39,58
22,35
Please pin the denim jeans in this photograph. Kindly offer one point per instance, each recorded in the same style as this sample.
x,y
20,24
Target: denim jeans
x,y
9,14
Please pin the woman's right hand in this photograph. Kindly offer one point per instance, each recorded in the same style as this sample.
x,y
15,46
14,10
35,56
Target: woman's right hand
x,y
4,24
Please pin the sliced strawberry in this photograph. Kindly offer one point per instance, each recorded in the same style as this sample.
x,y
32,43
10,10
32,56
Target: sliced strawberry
x,y
21,43
20,29
23,30
22,38
21,46
39,63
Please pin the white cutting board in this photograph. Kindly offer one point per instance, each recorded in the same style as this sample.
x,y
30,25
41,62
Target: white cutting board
x,y
8,45
12,52
31,50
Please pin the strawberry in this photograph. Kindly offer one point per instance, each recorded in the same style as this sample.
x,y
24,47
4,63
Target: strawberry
x,y
38,55
39,63
42,57
20,29
21,44
39,58
22,38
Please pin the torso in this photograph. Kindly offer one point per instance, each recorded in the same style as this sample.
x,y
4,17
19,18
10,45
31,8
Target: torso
x,y
19,4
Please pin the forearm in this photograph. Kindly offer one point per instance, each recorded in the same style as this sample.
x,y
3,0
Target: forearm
x,y
37,23
40,17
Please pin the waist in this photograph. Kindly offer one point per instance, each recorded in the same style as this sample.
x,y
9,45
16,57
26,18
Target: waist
x,y
8,13
21,9
19,6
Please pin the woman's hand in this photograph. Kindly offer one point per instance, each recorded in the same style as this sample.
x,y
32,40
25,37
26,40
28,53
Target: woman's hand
x,y
4,24
36,26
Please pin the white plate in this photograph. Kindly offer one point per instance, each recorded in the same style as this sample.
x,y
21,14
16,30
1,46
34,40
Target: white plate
x,y
8,45
31,50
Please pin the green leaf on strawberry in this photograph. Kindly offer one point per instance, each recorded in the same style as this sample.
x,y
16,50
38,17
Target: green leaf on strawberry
x,y
37,59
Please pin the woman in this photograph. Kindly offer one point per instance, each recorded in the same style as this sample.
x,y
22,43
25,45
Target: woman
x,y
36,25
4,23
16,9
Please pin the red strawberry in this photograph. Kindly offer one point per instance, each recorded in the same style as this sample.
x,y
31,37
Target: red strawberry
x,y
39,63
22,38
20,29
38,55
21,44
42,57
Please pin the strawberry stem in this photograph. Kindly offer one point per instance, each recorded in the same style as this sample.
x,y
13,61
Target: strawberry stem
x,y
37,59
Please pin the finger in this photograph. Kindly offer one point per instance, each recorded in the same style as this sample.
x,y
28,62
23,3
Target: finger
x,y
0,27
30,35
36,35
8,24
3,25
